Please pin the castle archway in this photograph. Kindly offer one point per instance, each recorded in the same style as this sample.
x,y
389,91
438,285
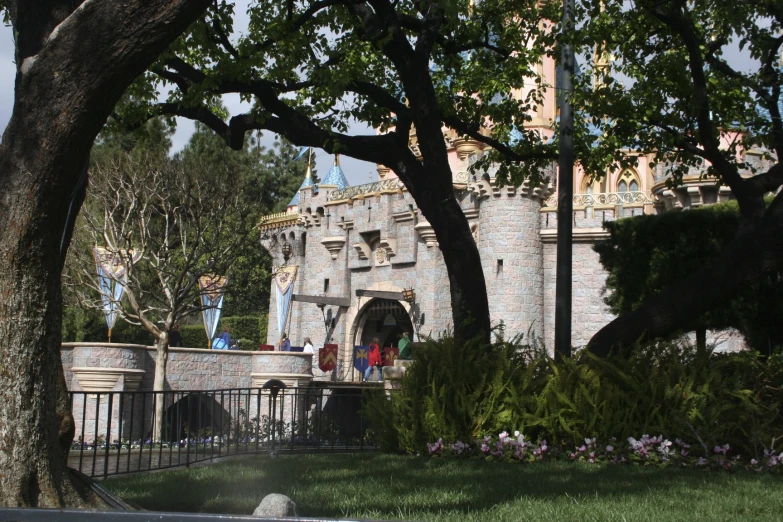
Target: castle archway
x,y
384,319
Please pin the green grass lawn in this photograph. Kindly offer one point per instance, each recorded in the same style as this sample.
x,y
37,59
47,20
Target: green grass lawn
x,y
414,488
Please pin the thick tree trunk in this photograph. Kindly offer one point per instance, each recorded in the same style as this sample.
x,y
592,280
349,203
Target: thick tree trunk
x,y
746,259
469,302
159,385
67,83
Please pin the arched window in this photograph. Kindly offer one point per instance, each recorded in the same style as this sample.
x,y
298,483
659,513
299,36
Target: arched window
x,y
628,182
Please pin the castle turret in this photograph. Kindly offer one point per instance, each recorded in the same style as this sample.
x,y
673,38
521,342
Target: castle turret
x,y
307,185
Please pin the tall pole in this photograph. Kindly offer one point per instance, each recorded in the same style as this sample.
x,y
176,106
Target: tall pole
x,y
565,192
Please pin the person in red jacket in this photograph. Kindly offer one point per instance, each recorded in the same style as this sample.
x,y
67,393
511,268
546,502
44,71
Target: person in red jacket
x,y
374,360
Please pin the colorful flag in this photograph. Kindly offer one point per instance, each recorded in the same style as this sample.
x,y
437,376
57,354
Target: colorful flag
x,y
213,288
390,354
112,270
301,152
361,360
327,357
285,276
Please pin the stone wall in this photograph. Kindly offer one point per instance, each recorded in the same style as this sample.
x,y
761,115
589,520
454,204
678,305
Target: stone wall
x,y
94,369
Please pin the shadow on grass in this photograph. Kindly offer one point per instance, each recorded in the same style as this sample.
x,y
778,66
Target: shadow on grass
x,y
391,486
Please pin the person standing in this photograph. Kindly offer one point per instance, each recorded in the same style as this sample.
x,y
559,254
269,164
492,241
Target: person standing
x,y
285,343
374,360
404,346
308,346
175,338
223,341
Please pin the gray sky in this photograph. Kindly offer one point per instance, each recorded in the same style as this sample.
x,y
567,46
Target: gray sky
x,y
357,172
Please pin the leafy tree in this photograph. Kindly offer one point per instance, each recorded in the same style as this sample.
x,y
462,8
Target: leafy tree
x,y
312,67
167,223
683,100
73,60
643,256
269,179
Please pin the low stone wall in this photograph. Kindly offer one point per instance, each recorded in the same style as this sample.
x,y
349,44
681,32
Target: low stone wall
x,y
104,367
98,368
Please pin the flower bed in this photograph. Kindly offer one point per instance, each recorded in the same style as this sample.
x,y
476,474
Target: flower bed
x,y
647,451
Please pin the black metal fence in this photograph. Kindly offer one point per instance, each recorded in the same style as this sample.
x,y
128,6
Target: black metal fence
x,y
127,432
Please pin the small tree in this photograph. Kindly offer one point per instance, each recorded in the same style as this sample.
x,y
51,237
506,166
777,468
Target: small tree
x,y
168,222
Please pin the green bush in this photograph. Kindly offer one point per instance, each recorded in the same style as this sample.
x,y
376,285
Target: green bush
x,y
645,254
263,326
466,392
194,336
81,325
242,327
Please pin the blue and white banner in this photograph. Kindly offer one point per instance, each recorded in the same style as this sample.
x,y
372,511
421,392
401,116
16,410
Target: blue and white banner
x,y
284,287
213,290
112,278
301,153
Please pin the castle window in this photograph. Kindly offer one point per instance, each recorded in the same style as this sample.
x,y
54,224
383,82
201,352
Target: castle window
x,y
500,267
326,285
628,182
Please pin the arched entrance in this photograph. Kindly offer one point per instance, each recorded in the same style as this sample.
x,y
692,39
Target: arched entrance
x,y
385,319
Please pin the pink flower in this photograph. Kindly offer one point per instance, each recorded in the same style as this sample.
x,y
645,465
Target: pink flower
x,y
609,449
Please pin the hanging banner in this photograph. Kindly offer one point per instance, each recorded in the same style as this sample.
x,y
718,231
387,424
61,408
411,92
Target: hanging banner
x,y
361,359
327,357
390,354
212,289
112,277
284,276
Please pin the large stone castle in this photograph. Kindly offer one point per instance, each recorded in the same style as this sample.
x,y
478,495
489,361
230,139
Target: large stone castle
x,y
358,249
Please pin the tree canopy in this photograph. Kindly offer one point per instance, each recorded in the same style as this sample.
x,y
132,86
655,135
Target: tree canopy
x,y
426,68
664,84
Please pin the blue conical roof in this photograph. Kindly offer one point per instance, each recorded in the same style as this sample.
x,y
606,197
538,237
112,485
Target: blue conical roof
x,y
308,182
335,176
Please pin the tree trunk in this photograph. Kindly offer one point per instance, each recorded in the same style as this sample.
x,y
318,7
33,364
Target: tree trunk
x,y
67,83
159,385
746,259
469,301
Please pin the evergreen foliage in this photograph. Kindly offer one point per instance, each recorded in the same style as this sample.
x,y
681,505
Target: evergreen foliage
x,y
466,392
645,254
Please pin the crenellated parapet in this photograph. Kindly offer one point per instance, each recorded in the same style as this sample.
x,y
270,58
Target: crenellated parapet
x,y
484,188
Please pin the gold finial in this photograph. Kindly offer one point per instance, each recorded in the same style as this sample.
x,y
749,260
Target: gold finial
x,y
337,159
309,172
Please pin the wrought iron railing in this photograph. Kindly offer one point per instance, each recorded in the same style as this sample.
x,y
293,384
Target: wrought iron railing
x,y
605,198
120,432
368,188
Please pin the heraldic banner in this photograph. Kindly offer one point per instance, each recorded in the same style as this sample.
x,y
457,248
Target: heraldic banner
x,y
327,358
213,290
285,276
361,358
390,354
112,278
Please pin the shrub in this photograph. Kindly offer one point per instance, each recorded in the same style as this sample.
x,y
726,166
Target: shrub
x,y
645,254
242,327
194,336
468,392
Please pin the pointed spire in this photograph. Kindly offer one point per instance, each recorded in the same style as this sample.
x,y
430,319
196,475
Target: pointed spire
x,y
308,181
335,177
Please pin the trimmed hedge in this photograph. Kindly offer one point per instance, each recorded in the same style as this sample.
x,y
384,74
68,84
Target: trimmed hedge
x,y
645,254
194,336
242,327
